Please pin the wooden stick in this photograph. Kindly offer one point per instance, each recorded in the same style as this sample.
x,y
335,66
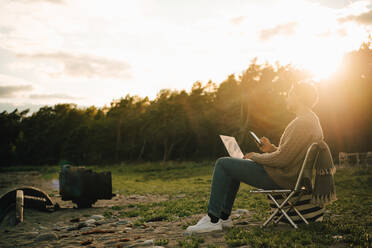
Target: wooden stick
x,y
19,206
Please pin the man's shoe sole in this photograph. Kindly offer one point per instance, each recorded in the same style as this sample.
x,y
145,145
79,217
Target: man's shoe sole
x,y
200,232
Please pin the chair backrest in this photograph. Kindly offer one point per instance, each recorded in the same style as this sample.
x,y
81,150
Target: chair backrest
x,y
305,175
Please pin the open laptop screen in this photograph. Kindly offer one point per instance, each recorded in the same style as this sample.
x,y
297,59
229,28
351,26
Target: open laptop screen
x,y
232,146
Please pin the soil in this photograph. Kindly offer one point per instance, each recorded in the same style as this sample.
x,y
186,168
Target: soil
x,y
58,228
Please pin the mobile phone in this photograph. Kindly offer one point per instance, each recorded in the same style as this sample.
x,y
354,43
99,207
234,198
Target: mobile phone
x,y
256,139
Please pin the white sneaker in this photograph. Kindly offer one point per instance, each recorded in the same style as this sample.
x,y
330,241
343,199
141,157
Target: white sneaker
x,y
227,223
204,225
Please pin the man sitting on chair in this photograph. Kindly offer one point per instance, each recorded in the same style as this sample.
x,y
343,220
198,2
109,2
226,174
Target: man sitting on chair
x,y
275,168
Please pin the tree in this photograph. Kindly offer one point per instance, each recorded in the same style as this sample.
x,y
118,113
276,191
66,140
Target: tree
x,y
185,125
10,133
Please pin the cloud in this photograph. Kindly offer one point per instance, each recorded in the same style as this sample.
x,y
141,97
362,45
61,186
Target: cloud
x,y
325,34
40,1
10,107
281,29
9,90
237,20
333,4
53,96
340,32
364,18
87,66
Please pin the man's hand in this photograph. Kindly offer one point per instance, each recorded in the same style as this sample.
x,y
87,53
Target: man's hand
x,y
248,155
266,145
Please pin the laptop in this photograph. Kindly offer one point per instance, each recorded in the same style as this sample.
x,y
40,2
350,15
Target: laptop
x,y
232,146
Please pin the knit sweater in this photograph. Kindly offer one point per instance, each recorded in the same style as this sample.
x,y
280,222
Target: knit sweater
x,y
283,165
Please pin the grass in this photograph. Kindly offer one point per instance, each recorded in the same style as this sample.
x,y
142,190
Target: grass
x,y
348,222
191,242
161,242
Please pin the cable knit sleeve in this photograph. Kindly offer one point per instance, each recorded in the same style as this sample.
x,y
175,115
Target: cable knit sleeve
x,y
295,140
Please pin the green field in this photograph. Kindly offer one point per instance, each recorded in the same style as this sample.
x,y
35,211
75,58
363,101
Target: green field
x,y
348,221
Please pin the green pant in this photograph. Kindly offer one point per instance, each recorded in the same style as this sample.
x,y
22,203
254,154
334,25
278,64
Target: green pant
x,y
227,175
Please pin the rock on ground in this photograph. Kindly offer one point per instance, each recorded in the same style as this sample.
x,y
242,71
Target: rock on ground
x,y
46,237
97,217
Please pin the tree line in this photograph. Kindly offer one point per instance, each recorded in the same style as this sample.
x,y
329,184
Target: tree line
x,y
184,125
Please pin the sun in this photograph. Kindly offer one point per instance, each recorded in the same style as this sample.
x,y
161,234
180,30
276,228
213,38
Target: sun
x,y
322,62
322,65
320,57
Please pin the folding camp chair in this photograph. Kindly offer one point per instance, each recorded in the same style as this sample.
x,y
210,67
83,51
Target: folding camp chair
x,y
303,185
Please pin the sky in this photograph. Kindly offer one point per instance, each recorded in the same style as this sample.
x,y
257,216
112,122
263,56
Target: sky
x,y
91,52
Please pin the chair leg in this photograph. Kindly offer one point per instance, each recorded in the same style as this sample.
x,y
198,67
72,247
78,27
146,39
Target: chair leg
x,y
289,218
273,214
289,208
284,212
296,210
280,209
301,216
281,216
270,218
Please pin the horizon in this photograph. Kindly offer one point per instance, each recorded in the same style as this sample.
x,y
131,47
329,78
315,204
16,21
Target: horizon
x,y
60,51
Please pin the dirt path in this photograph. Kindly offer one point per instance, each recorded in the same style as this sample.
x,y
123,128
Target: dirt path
x,y
70,227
